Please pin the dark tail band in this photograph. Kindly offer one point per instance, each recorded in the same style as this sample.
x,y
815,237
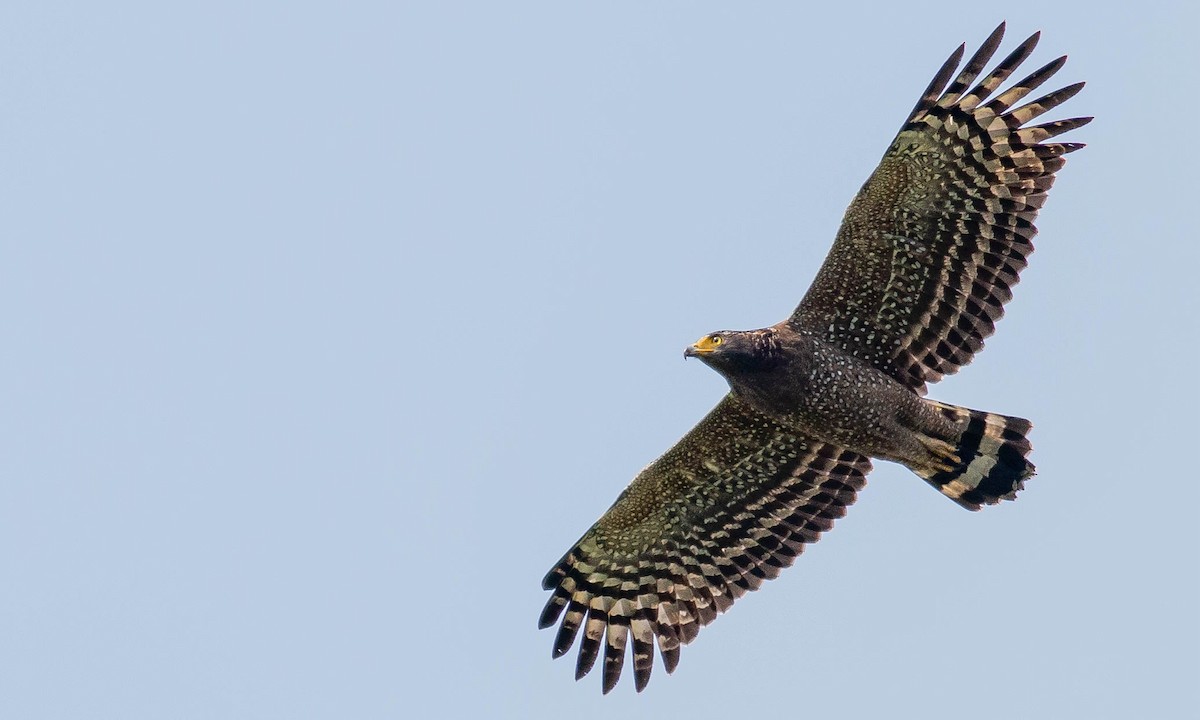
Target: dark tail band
x,y
991,458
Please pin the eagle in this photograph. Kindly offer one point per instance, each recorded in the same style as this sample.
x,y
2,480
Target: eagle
x,y
925,259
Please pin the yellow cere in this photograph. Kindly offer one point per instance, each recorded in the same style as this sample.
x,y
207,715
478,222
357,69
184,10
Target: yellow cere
x,y
706,344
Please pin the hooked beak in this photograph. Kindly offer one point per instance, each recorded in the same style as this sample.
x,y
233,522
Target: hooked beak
x,y
704,346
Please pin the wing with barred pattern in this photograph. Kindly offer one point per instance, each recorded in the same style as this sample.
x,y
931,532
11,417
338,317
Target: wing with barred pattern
x,y
930,248
732,504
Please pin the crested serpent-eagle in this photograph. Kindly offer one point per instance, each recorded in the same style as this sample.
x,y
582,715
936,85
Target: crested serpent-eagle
x,y
924,261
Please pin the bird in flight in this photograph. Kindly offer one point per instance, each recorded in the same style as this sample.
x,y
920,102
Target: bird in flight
x,y
926,257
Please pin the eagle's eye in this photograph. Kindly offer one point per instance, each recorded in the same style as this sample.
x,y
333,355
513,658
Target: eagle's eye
x,y
716,339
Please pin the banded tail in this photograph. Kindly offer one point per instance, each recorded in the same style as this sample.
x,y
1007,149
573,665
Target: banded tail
x,y
988,465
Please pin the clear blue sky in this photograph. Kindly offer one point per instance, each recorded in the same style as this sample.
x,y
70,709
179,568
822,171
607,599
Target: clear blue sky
x,y
329,327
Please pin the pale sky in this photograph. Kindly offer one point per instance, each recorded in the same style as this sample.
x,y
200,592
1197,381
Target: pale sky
x,y
330,327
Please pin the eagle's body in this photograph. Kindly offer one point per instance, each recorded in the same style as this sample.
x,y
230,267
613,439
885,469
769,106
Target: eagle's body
x,y
805,384
924,261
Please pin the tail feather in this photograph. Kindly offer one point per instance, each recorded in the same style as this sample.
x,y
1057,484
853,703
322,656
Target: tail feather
x,y
988,463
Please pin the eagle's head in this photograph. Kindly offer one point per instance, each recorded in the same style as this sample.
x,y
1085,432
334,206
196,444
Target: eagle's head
x,y
734,352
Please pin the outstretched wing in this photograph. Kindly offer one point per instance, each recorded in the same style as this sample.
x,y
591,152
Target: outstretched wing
x,y
729,506
929,250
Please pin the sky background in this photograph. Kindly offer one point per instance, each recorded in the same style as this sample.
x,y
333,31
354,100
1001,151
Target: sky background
x,y
328,328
